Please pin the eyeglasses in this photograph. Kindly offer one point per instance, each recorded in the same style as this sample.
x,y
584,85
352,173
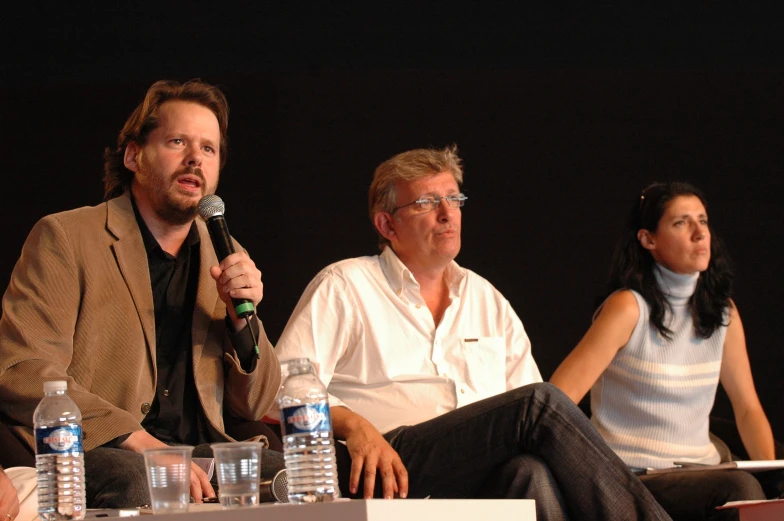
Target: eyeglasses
x,y
431,203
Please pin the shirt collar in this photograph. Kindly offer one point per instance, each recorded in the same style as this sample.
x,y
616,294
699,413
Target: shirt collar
x,y
401,279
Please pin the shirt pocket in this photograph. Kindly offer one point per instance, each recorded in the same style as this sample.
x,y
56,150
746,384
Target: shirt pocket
x,y
485,359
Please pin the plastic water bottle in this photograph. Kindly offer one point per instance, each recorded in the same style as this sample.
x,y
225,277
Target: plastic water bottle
x,y
308,447
59,458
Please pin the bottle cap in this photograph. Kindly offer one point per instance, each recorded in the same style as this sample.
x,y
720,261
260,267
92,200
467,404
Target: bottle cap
x,y
55,385
298,366
297,361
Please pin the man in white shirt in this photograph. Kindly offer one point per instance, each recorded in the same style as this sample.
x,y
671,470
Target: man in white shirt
x,y
18,494
430,354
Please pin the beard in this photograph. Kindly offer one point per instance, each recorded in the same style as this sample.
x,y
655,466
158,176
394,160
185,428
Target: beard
x,y
173,207
178,212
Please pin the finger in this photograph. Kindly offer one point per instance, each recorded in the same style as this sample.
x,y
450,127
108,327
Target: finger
x,y
240,286
249,275
371,465
388,482
199,477
13,511
254,294
233,259
402,478
356,470
242,281
195,488
206,486
246,294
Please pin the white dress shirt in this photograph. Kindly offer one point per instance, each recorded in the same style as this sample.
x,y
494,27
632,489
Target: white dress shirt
x,y
372,338
24,481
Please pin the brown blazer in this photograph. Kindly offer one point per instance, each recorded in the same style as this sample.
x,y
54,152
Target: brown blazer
x,y
79,307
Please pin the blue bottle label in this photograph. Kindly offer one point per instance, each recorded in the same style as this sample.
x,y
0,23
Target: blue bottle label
x,y
63,439
306,418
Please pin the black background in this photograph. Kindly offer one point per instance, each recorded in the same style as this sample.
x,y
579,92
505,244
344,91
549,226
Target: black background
x,y
562,116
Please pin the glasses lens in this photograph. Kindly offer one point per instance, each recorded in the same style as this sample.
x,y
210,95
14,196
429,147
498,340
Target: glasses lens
x,y
427,203
456,201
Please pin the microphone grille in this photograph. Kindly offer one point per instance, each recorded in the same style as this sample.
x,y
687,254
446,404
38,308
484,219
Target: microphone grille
x,y
210,206
280,487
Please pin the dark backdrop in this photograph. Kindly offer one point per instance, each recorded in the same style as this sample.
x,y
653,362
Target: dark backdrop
x,y
561,118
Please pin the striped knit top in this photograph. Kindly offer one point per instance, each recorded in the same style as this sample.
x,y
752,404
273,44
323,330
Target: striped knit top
x,y
652,403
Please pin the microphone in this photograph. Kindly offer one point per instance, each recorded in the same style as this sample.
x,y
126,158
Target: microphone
x,y
275,489
211,209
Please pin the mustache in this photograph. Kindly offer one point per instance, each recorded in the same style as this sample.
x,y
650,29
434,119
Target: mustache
x,y
191,170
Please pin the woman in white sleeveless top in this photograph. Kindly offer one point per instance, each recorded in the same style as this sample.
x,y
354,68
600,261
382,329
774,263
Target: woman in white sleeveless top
x,y
657,349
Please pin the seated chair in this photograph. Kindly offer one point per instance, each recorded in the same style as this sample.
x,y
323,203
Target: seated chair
x,y
725,435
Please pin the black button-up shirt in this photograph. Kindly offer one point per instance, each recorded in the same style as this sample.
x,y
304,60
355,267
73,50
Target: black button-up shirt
x,y
175,414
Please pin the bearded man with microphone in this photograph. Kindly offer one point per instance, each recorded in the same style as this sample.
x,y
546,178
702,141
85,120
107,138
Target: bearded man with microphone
x,y
130,304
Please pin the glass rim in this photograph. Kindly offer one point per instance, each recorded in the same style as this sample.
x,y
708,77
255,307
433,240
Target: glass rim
x,y
236,444
176,448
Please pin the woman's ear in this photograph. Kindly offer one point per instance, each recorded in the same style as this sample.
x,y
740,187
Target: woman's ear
x,y
646,239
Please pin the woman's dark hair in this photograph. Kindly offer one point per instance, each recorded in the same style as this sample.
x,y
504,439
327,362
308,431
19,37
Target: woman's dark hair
x,y
632,265
117,179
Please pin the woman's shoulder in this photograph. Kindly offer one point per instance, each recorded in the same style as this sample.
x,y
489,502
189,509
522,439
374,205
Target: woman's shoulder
x,y
621,304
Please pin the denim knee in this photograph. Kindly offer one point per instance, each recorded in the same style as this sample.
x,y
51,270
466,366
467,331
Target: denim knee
x,y
551,394
531,467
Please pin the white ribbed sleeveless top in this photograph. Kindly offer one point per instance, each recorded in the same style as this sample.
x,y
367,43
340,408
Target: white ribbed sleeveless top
x,y
652,403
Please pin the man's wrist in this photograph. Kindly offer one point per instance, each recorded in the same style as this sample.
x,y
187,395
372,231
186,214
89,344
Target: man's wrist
x,y
242,342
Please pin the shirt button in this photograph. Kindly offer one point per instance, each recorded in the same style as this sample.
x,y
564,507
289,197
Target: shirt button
x,y
462,391
418,306
145,408
166,392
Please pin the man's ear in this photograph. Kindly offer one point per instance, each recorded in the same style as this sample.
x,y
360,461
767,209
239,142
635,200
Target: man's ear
x,y
385,225
131,157
646,239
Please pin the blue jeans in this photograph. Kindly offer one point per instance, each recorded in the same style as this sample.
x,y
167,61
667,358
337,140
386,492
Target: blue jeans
x,y
531,443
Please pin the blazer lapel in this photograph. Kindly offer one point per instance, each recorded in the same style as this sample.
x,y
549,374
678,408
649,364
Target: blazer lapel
x,y
132,262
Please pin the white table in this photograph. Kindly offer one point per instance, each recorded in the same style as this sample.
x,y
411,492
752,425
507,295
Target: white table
x,y
368,510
